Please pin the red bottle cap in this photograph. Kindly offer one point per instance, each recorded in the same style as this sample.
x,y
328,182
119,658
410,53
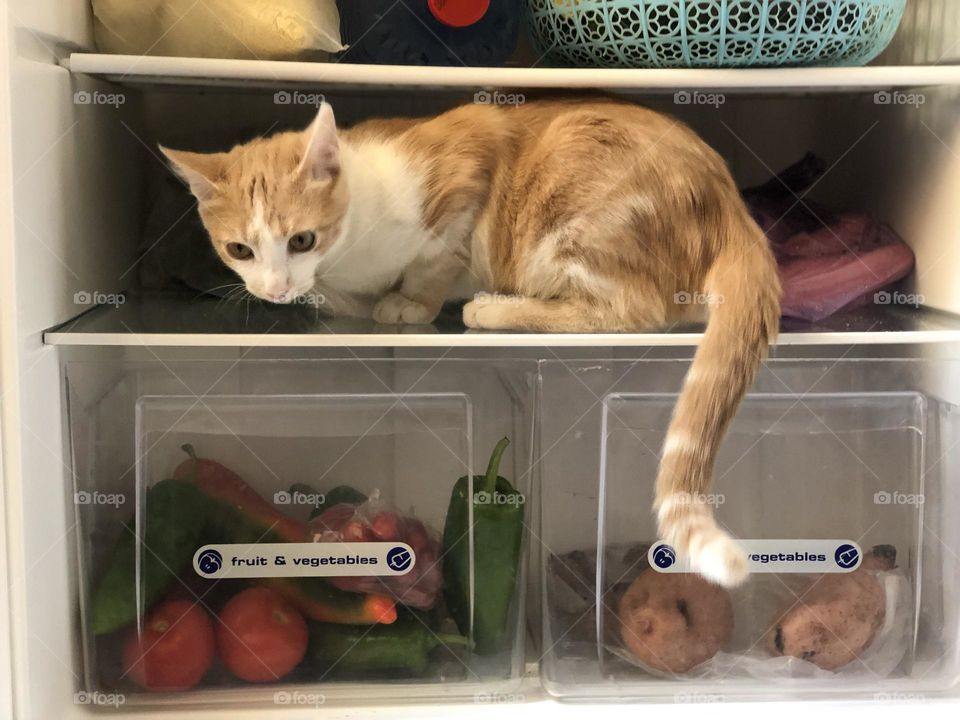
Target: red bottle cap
x,y
459,13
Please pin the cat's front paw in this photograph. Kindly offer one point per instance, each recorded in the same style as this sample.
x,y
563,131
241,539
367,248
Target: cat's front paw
x,y
485,313
395,309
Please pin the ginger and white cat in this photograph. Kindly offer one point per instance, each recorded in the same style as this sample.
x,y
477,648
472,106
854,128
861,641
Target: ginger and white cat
x,y
591,215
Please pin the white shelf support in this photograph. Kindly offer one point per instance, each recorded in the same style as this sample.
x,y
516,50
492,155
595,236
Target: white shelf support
x,y
205,71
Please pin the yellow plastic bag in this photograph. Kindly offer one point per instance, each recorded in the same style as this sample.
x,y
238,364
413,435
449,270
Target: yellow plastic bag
x,y
242,29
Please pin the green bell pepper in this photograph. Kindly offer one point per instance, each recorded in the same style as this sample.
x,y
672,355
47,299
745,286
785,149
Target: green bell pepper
x,y
175,515
497,538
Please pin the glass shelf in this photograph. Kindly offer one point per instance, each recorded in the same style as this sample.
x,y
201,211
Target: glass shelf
x,y
185,320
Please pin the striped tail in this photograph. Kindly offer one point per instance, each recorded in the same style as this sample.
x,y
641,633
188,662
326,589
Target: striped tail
x,y
744,317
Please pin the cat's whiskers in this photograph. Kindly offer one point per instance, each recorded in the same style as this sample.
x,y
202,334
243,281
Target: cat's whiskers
x,y
236,295
233,290
249,297
221,287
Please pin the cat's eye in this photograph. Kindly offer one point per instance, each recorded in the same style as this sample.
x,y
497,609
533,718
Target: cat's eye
x,y
239,251
302,242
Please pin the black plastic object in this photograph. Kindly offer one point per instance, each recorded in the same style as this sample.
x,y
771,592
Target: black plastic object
x,y
406,32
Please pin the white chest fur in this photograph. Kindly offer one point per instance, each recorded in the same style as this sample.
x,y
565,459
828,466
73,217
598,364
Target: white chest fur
x,y
383,231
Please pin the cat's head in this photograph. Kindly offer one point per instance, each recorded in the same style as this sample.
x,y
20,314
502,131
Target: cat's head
x,y
272,207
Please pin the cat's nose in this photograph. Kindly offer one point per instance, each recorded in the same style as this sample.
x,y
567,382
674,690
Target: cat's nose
x,y
278,289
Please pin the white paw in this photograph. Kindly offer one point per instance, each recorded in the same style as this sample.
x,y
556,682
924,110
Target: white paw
x,y
470,314
471,309
722,561
395,309
694,534
484,315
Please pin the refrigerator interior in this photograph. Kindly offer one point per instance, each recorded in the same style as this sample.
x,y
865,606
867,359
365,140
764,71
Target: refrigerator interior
x,y
82,179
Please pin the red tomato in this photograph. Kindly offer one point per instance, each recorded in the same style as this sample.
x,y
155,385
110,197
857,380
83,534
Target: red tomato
x,y
386,526
174,650
354,531
261,636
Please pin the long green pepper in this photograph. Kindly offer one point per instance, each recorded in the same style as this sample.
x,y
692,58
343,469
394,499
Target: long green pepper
x,y
174,520
401,649
497,537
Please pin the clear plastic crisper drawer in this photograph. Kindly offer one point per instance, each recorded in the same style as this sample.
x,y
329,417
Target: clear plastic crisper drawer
x,y
297,532
822,455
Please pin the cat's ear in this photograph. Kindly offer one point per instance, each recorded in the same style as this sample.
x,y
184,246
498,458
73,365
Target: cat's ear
x,y
201,171
321,151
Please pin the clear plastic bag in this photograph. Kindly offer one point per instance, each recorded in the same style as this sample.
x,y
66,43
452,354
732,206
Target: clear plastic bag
x,y
758,605
239,29
373,521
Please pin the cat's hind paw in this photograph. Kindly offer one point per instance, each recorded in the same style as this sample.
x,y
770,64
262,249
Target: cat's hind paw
x,y
395,309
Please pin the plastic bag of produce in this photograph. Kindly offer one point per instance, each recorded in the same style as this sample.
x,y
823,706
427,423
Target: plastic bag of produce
x,y
241,29
776,627
372,521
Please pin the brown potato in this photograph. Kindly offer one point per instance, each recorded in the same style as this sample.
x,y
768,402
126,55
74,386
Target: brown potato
x,y
838,618
674,622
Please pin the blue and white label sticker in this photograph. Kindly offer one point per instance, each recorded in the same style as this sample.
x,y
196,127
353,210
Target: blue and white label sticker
x,y
369,559
775,556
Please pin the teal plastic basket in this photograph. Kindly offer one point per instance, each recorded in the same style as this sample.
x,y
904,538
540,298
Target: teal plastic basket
x,y
712,33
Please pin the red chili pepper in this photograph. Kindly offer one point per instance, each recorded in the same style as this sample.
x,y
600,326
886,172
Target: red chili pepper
x,y
222,483
313,596
309,596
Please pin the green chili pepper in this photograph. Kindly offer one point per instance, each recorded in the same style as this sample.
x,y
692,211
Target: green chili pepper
x,y
497,536
402,648
174,519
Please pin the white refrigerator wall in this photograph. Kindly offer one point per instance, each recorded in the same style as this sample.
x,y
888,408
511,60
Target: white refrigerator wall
x,y
73,185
